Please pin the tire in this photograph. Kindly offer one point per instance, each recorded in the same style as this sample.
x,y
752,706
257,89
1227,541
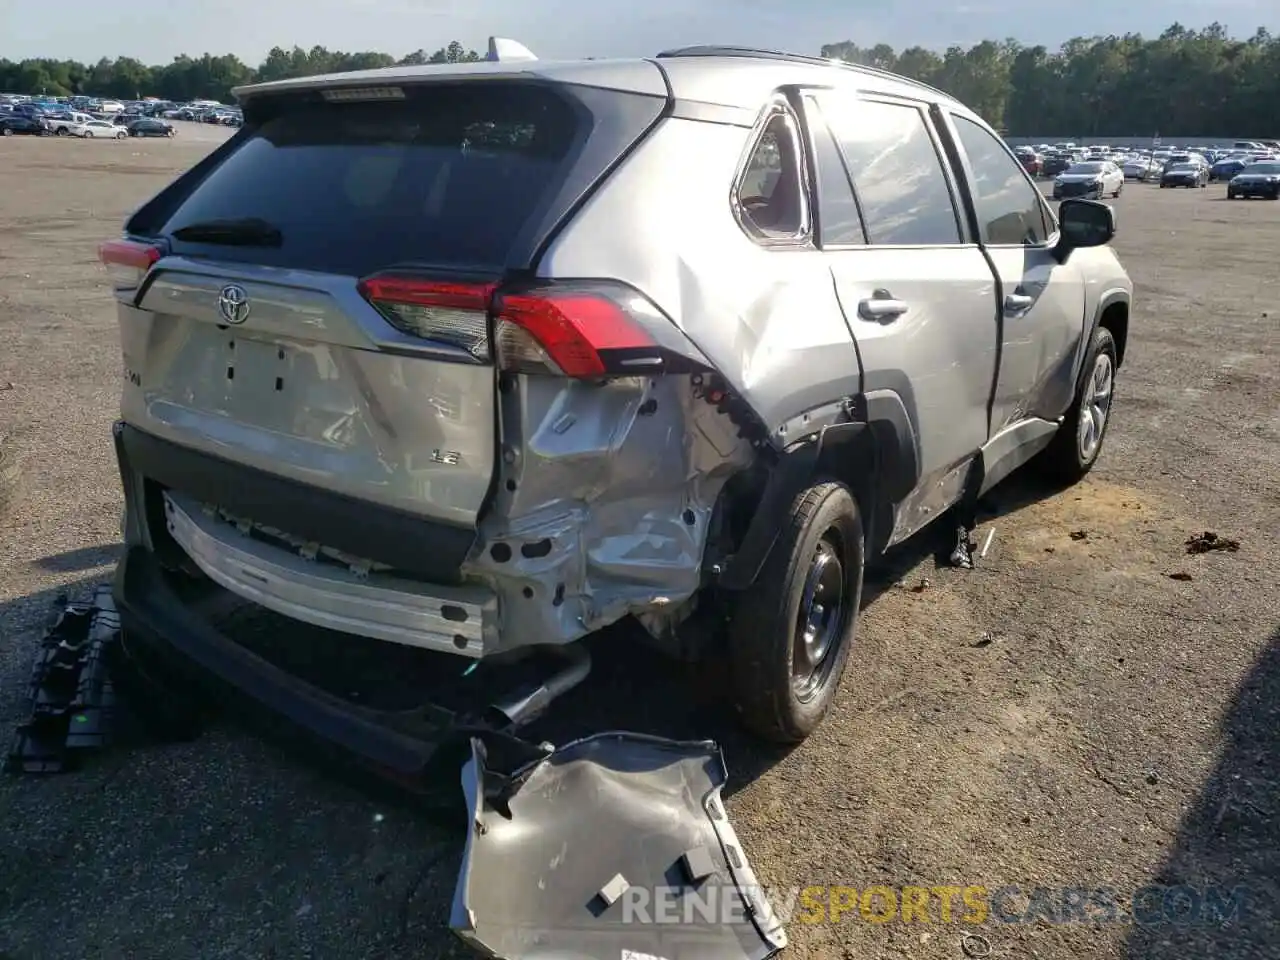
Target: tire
x,y
8,480
1068,458
8,132
820,548
1119,189
62,131
122,135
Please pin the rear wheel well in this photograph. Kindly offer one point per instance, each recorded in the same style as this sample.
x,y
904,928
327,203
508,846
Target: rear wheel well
x,y
860,462
1116,319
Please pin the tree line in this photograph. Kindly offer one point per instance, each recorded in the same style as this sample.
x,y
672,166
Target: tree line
x,y
207,77
1182,83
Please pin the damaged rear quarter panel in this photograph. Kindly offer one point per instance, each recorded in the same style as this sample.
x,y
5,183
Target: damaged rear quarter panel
x,y
604,498
614,484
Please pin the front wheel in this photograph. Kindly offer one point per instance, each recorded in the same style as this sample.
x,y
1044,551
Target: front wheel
x,y
1074,449
790,634
8,132
122,135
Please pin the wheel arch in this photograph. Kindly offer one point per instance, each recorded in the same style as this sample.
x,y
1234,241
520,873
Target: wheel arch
x,y
874,453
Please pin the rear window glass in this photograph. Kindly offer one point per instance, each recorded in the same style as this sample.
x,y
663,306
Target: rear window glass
x,y
449,175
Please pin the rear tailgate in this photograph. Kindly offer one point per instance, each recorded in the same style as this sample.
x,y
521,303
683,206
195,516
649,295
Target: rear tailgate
x,y
275,355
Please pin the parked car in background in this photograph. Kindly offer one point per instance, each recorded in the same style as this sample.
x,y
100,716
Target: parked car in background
x,y
1186,173
19,125
1089,178
1260,179
1140,168
1055,163
1227,167
102,129
1031,162
151,128
62,124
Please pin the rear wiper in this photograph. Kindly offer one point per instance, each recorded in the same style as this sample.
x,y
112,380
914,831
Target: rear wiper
x,y
244,232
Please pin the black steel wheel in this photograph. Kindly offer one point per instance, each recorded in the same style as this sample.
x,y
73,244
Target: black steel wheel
x,y
791,632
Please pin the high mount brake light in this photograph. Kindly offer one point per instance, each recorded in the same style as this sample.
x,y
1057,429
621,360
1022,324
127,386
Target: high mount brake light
x,y
577,329
128,261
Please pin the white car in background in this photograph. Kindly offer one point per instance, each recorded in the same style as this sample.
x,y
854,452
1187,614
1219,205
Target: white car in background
x,y
110,106
1089,178
98,129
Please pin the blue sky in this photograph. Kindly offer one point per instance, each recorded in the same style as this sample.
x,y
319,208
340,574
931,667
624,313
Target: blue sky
x,y
156,32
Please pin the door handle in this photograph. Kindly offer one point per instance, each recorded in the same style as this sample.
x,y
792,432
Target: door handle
x,y
880,307
1017,302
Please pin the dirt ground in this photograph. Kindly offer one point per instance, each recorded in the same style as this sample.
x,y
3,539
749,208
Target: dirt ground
x,y
1068,714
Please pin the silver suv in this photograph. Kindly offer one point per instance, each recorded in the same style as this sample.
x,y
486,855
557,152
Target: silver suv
x,y
480,359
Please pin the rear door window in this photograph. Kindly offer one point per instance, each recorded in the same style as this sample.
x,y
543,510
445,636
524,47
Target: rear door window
x,y
839,223
449,175
897,172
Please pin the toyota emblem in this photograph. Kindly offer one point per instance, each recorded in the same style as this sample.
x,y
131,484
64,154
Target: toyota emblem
x,y
233,304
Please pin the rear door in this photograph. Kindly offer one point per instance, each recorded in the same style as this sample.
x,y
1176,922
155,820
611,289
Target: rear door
x,y
315,313
918,294
1042,301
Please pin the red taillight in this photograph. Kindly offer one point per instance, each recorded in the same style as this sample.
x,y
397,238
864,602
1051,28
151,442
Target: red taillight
x,y
128,261
444,311
571,329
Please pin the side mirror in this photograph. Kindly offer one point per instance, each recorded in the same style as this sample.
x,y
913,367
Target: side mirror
x,y
1084,223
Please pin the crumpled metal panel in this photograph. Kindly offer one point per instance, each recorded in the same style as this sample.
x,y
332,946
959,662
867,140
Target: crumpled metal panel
x,y
604,498
568,857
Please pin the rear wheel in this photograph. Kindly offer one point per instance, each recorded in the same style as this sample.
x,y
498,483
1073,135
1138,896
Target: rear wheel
x,y
791,633
8,132
62,131
1074,449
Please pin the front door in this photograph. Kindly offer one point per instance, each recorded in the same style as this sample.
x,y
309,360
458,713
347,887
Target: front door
x,y
1042,301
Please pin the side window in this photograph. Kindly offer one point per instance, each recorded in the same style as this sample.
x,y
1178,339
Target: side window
x,y
770,195
839,223
896,171
1009,207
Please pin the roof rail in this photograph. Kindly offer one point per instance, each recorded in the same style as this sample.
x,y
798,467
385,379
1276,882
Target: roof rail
x,y
753,53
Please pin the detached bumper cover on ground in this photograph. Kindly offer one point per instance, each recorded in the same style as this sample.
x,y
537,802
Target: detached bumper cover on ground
x,y
583,854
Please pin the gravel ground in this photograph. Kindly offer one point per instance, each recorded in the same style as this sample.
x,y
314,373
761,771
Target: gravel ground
x,y
1067,714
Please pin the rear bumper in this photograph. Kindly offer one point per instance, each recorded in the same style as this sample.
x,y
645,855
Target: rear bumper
x,y
161,631
413,544
460,620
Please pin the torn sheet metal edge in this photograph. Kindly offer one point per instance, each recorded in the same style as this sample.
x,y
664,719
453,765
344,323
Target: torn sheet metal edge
x,y
477,790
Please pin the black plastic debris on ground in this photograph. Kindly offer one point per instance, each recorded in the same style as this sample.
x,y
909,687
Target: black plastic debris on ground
x,y
1210,541
72,699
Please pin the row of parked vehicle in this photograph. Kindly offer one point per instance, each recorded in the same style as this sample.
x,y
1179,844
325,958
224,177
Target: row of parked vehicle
x,y
89,117
85,126
1250,168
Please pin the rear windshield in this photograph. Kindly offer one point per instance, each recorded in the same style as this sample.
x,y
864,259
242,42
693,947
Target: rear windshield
x,y
448,175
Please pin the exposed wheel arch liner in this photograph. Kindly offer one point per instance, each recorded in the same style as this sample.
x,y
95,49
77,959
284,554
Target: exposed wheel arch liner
x,y
875,453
